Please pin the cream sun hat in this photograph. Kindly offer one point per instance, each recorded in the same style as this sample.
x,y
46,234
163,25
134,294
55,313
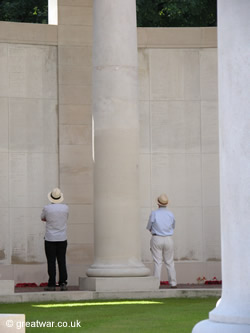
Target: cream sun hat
x,y
162,200
55,196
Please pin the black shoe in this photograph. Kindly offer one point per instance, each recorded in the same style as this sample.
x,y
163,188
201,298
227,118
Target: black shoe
x,y
63,287
50,288
173,287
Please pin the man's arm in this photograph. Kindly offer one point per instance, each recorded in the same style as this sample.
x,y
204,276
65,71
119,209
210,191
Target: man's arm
x,y
150,221
43,216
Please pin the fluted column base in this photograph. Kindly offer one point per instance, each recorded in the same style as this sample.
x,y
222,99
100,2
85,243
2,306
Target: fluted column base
x,y
119,284
118,271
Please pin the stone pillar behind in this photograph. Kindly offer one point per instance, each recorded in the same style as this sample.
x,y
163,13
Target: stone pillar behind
x,y
75,123
116,136
233,315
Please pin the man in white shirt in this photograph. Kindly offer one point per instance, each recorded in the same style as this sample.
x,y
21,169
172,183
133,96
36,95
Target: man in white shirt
x,y
161,224
56,215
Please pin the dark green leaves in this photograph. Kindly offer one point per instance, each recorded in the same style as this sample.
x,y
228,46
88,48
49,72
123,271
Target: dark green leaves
x,y
31,11
176,13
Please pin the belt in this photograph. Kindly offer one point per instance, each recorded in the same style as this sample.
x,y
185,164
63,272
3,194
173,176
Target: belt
x,y
160,235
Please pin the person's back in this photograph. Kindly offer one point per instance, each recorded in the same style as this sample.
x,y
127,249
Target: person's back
x,y
162,222
55,215
56,221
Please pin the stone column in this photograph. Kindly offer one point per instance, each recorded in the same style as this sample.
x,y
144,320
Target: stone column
x,y
116,135
233,313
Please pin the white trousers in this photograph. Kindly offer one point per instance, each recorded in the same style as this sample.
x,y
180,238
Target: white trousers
x,y
163,248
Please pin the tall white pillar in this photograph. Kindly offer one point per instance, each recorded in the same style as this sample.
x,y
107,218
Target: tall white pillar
x,y
233,313
116,133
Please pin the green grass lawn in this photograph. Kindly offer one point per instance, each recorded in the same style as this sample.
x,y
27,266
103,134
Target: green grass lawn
x,y
118,316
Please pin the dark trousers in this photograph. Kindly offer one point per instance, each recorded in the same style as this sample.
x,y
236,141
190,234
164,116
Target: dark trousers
x,y
56,251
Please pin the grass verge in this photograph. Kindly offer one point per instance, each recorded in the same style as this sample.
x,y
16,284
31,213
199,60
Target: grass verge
x,y
124,316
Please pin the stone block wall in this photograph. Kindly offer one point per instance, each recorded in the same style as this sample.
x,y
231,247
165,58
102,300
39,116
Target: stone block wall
x,y
75,129
28,148
46,140
179,142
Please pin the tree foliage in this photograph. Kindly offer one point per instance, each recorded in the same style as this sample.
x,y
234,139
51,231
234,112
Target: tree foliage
x,y
31,11
176,13
150,13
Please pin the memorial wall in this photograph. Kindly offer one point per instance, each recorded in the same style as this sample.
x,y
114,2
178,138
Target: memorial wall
x,y
46,141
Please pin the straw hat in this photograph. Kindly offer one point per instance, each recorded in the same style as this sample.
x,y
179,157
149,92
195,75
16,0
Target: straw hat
x,y
55,196
162,200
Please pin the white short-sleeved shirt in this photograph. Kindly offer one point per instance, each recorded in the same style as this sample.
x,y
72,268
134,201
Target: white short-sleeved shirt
x,y
161,222
56,216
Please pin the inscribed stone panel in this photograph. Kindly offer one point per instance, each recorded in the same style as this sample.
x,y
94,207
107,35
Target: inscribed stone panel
x,y
27,231
4,236
210,180
145,131
145,235
143,75
178,175
32,176
4,125
18,236
176,126
33,125
33,71
209,74
25,272
145,180
80,254
188,237
4,77
209,127
4,179
212,235
80,214
33,235
81,233
174,74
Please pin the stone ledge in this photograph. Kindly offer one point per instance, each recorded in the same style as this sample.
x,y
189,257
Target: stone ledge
x,y
168,293
91,295
28,33
177,37
10,323
6,287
